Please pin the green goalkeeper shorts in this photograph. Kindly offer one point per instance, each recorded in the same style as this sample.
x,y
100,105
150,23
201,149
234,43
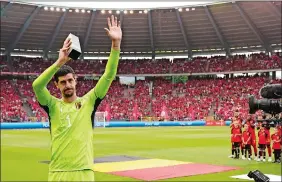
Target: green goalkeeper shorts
x,y
83,175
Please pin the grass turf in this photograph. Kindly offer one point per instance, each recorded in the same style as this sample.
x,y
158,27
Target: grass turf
x,y
21,151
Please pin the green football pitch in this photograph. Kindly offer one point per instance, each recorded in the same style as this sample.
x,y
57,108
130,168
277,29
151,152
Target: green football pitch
x,y
22,151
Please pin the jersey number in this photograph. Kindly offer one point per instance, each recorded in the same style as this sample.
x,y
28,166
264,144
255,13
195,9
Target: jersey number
x,y
68,120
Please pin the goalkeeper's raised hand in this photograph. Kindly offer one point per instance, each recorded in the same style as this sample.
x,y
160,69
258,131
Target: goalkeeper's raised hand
x,y
114,32
63,54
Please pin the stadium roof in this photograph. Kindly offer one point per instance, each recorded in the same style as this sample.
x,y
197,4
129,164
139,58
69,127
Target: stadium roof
x,y
217,28
123,5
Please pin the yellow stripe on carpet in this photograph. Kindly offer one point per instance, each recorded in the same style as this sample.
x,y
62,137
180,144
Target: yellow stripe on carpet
x,y
131,165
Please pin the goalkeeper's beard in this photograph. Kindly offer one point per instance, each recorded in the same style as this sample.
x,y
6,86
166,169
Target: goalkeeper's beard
x,y
68,94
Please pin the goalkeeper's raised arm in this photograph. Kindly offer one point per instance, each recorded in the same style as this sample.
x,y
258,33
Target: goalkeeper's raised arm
x,y
115,33
40,84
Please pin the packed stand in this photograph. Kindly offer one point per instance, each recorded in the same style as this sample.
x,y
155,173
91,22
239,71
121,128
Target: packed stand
x,y
4,66
11,103
158,66
192,100
25,88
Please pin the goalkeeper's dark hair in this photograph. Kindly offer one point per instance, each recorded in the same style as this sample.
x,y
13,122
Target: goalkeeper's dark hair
x,y
64,70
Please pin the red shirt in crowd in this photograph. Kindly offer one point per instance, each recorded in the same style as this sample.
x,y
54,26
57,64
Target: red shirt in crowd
x,y
276,139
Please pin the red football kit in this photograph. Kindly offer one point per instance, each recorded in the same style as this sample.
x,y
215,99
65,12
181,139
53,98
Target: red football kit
x,y
251,124
276,145
262,136
252,128
276,139
236,135
246,137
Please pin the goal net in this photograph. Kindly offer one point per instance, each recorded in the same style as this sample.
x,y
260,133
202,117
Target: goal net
x,y
100,119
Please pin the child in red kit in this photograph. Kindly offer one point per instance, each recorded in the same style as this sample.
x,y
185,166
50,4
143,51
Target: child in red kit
x,y
236,138
246,143
276,145
262,137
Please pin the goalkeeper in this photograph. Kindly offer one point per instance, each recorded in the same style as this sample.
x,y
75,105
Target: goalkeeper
x,y
72,117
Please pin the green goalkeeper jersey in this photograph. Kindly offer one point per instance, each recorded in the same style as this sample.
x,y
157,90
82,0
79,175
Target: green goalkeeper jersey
x,y
71,124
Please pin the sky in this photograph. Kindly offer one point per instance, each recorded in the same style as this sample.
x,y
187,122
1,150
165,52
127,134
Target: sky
x,y
121,5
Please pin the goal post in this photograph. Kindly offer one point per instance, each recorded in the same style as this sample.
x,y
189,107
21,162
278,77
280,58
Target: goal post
x,y
100,117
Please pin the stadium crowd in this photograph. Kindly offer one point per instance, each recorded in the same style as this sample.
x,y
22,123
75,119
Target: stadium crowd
x,y
183,101
11,103
158,66
192,100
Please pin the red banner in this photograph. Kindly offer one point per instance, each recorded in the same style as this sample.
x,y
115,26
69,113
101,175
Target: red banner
x,y
215,123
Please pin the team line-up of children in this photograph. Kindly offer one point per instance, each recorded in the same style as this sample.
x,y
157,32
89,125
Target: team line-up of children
x,y
245,140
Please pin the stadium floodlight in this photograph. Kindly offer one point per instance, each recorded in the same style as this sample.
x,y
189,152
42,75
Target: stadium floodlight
x,y
187,9
64,9
83,11
140,12
118,12
125,11
131,11
145,11
193,9
88,11
58,9
103,11
52,8
46,8
76,10
110,11
180,9
70,10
